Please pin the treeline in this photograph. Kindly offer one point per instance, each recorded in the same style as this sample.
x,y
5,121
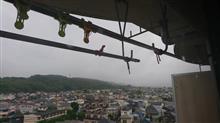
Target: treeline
x,y
51,83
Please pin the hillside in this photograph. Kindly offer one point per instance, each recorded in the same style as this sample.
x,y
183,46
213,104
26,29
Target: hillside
x,y
51,83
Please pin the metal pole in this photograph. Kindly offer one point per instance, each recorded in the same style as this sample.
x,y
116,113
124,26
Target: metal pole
x,y
76,21
61,45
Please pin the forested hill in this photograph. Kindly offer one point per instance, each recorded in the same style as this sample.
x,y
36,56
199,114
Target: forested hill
x,y
51,83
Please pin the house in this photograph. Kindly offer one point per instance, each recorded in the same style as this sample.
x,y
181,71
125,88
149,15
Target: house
x,y
42,108
126,111
113,110
80,101
154,112
5,110
16,117
92,118
51,114
94,115
70,121
31,118
127,119
26,108
106,121
39,116
126,115
151,111
64,106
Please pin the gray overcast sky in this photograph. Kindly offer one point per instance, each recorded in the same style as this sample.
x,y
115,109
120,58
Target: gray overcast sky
x,y
25,59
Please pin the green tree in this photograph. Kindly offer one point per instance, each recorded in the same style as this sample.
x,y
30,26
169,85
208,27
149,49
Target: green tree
x,y
111,117
75,106
81,116
71,115
52,107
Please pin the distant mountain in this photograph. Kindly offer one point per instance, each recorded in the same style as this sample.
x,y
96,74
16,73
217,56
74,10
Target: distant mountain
x,y
51,83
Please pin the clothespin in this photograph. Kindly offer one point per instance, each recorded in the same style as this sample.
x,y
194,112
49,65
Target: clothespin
x,y
157,53
87,27
100,50
22,9
63,21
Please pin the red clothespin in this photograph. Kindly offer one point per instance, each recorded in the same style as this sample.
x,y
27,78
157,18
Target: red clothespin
x,y
100,50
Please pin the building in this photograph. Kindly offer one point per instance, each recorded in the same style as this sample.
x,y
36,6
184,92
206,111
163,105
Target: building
x,y
64,106
94,117
5,110
51,114
42,108
127,119
70,121
15,117
31,118
151,112
126,115
26,108
106,121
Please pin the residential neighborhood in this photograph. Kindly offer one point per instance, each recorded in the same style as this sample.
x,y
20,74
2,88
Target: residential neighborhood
x,y
130,105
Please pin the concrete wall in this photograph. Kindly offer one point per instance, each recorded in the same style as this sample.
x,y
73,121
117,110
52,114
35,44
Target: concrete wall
x,y
196,98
